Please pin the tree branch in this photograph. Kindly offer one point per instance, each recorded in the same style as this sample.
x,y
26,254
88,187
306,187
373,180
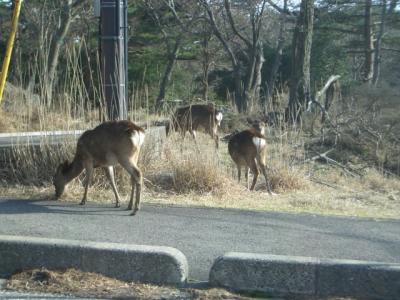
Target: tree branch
x,y
281,10
217,32
227,5
391,49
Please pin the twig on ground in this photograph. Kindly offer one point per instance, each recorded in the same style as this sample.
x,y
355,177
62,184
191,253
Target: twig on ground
x,y
348,170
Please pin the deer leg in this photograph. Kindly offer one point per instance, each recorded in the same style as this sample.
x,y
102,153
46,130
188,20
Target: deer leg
x,y
139,183
264,171
193,134
246,174
215,136
239,172
133,183
136,181
88,180
183,134
254,170
110,175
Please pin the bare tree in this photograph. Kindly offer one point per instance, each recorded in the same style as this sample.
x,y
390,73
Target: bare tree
x,y
174,30
206,60
270,84
299,85
368,43
50,25
243,46
384,16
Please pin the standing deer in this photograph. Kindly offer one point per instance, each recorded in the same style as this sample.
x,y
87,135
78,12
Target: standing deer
x,y
105,146
193,117
248,149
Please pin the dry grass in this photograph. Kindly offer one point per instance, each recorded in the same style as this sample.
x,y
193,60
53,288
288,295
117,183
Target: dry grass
x,y
187,173
195,167
311,189
84,284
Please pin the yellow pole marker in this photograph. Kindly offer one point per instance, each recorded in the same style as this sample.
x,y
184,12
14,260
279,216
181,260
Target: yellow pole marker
x,y
10,45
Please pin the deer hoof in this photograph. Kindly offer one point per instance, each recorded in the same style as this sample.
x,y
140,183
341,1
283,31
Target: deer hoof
x,y
82,203
133,213
117,205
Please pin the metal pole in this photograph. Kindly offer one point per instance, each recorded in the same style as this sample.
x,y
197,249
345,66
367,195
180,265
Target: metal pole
x,y
126,49
10,45
112,59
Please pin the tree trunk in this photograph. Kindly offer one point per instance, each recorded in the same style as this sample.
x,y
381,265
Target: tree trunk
x,y
55,47
206,65
248,79
167,75
392,6
378,44
299,85
256,86
270,84
239,95
368,43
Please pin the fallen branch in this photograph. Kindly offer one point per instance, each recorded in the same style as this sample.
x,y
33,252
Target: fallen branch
x,y
313,179
319,156
331,161
324,109
321,92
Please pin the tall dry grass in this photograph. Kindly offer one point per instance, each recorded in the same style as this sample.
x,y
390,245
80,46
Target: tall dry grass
x,y
180,171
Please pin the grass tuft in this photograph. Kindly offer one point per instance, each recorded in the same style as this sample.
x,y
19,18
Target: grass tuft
x,y
196,168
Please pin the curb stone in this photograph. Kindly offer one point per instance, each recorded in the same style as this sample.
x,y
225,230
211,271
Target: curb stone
x,y
147,264
305,276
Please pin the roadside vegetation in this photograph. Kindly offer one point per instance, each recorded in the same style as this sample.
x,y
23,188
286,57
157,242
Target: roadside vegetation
x,y
338,156
83,284
72,282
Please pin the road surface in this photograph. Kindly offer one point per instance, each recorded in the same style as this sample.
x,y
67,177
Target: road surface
x,y
203,234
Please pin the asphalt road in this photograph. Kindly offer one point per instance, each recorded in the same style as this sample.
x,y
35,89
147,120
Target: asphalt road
x,y
203,234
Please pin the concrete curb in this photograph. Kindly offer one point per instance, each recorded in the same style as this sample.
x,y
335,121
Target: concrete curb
x,y
288,275
147,264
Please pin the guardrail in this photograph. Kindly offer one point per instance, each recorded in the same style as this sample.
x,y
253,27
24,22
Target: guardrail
x,y
53,137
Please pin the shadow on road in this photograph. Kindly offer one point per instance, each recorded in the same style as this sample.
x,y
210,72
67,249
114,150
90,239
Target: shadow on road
x,y
29,206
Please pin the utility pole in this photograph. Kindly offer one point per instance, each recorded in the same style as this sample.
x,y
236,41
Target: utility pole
x,y
113,56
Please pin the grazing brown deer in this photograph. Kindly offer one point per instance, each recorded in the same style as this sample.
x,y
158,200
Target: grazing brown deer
x,y
105,146
194,117
248,149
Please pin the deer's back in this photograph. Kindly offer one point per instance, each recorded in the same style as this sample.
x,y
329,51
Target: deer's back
x,y
245,145
109,141
196,115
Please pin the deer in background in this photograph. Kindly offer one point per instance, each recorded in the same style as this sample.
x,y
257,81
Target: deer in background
x,y
194,117
248,149
109,144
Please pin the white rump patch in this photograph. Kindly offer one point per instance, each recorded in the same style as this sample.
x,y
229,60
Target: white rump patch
x,y
259,142
218,117
137,138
